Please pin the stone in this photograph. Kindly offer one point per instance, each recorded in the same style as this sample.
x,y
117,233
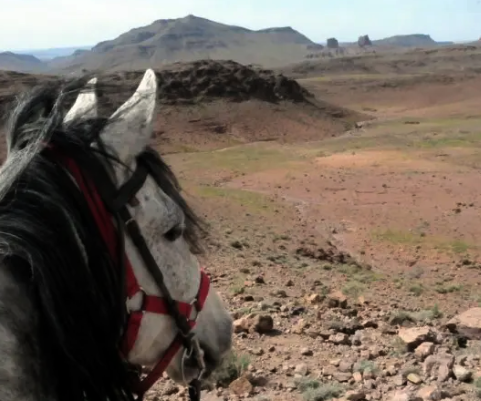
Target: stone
x,y
364,41
332,43
306,352
300,327
337,299
257,351
424,350
430,393
402,395
241,325
392,370
444,373
340,338
279,293
355,395
342,377
357,338
438,366
468,324
461,373
399,380
315,299
241,386
301,369
357,376
170,389
263,324
345,365
414,336
414,378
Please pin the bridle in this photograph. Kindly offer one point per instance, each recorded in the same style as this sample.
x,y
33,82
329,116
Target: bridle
x,y
108,205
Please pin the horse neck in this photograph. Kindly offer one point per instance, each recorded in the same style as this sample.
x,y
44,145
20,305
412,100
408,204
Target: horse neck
x,y
23,371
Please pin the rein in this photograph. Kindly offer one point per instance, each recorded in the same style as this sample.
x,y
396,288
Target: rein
x,y
108,204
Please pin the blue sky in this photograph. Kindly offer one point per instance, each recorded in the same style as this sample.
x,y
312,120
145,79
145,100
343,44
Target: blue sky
x,y
36,24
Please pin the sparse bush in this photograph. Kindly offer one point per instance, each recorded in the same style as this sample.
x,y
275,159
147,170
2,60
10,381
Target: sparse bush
x,y
448,289
400,317
313,390
353,289
416,289
323,393
233,366
399,347
365,366
477,387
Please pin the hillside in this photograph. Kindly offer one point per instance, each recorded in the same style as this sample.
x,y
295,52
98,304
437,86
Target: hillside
x,y
413,64
210,104
414,40
48,54
20,62
188,39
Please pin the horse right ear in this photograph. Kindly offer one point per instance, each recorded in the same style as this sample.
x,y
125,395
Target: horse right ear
x,y
130,128
85,106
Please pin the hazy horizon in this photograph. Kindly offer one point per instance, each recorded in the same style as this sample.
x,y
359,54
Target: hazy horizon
x,y
58,24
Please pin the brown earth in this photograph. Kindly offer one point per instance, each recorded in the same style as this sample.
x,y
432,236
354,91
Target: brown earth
x,y
359,246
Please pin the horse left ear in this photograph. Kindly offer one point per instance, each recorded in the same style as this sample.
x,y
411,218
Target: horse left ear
x,y
129,129
85,105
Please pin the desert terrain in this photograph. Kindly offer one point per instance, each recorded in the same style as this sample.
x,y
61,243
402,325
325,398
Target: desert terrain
x,y
343,199
381,217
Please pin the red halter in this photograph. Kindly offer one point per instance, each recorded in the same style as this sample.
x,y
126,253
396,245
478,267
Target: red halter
x,y
150,303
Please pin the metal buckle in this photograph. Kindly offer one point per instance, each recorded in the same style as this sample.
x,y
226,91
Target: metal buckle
x,y
142,301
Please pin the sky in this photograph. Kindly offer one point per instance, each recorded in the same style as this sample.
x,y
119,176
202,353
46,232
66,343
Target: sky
x,y
40,24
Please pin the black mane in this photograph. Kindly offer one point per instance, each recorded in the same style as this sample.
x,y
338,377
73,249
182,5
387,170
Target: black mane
x,y
76,289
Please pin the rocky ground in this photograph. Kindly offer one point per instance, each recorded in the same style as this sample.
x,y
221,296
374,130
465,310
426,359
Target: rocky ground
x,y
324,346
347,251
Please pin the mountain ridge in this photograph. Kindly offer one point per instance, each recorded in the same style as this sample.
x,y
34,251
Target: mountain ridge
x,y
192,38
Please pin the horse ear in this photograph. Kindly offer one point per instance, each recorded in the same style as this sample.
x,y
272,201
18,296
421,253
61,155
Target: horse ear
x,y
130,127
85,105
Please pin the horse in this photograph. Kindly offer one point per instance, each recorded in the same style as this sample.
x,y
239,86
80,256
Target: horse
x,y
101,290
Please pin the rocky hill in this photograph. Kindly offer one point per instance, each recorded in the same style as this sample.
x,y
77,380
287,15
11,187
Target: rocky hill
x,y
189,39
414,40
20,62
211,104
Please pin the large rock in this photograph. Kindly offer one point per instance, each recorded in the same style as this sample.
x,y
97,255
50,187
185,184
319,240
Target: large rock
x,y
259,323
438,366
241,386
337,299
461,373
431,393
364,41
424,350
403,395
415,336
468,324
332,43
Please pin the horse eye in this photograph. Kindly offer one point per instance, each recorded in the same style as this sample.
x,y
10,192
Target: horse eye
x,y
174,233
134,202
